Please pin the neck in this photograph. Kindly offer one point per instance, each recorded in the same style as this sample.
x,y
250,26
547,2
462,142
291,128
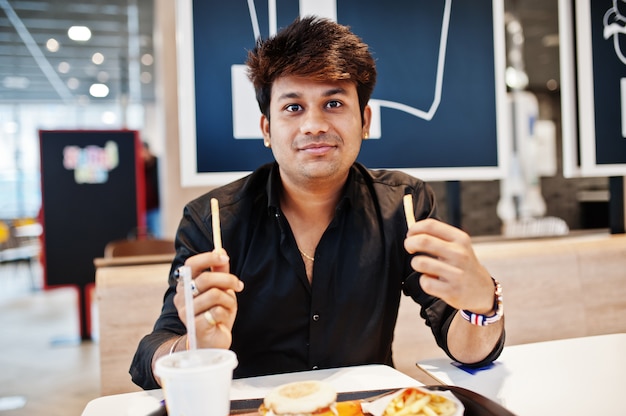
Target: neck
x,y
309,211
315,204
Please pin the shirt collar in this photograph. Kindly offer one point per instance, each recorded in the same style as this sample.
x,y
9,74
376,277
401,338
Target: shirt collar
x,y
274,187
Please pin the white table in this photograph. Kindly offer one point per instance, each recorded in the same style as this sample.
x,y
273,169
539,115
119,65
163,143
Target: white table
x,y
358,378
578,376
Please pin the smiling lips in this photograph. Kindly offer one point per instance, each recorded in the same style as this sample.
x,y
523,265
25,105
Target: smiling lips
x,y
318,146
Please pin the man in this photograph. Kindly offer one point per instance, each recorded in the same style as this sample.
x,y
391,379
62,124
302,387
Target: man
x,y
316,247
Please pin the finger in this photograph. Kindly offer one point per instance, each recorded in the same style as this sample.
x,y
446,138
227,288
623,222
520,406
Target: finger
x,y
211,332
217,298
441,289
218,315
208,260
424,243
436,268
224,281
452,252
439,229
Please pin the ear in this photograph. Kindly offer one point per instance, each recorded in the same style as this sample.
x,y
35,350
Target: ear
x,y
265,130
367,119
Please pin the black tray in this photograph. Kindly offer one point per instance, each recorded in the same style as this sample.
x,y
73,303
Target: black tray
x,y
474,403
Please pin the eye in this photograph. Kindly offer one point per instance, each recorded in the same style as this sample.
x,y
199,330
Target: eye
x,y
334,104
292,108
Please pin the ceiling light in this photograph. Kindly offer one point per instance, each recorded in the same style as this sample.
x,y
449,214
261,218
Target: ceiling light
x,y
147,59
108,117
14,82
145,77
73,83
79,33
52,45
97,58
64,67
102,76
98,90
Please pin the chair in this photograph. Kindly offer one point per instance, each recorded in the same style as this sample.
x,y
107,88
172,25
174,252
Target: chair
x,y
131,279
126,248
129,302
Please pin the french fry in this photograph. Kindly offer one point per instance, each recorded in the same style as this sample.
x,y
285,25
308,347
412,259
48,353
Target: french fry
x,y
215,218
428,411
408,209
416,402
415,407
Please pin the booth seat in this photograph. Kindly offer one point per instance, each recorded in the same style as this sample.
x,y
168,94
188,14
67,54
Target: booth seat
x,y
553,288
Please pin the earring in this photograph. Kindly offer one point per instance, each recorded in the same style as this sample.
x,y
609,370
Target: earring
x,y
366,135
267,144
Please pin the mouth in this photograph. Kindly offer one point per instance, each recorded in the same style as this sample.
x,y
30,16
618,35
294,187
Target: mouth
x,y
318,150
318,147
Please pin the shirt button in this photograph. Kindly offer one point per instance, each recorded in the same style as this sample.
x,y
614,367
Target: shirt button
x,y
316,317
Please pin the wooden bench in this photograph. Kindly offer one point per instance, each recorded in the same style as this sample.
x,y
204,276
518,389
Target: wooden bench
x,y
553,289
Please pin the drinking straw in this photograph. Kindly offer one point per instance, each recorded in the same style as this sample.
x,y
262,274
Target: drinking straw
x,y
185,272
215,218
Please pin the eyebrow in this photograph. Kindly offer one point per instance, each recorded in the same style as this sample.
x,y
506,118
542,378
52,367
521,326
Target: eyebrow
x,y
327,93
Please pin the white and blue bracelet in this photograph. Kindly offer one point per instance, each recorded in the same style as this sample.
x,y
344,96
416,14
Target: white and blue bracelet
x,y
484,320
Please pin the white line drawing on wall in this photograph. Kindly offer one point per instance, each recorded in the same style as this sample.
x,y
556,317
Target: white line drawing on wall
x,y
245,108
615,25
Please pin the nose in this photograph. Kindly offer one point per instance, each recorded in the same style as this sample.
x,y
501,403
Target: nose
x,y
314,122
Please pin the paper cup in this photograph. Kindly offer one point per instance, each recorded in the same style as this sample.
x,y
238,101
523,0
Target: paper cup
x,y
197,382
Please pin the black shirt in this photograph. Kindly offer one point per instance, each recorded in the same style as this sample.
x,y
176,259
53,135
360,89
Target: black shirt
x,y
347,315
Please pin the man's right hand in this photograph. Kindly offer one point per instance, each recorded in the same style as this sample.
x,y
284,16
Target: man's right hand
x,y
215,302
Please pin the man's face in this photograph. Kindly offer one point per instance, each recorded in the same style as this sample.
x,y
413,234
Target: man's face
x,y
315,130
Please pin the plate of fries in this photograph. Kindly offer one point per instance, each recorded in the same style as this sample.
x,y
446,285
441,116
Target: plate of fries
x,y
415,401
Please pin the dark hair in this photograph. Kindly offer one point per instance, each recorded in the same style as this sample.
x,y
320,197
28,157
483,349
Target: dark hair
x,y
312,47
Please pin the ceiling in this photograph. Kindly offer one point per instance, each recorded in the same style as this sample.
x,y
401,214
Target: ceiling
x,y
122,33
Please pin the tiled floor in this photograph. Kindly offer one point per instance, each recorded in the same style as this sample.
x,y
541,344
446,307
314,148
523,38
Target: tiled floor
x,y
42,358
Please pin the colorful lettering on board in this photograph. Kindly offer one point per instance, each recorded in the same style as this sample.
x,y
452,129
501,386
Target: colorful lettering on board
x,y
91,164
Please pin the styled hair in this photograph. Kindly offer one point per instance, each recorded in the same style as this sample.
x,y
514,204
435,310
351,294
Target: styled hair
x,y
315,48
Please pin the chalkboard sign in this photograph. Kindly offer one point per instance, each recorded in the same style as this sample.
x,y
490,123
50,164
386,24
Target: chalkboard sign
x,y
90,182
439,103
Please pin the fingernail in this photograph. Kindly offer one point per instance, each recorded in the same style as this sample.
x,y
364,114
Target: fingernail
x,y
224,258
240,286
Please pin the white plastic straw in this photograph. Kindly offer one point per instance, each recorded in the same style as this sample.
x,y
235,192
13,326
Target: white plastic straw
x,y
185,272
